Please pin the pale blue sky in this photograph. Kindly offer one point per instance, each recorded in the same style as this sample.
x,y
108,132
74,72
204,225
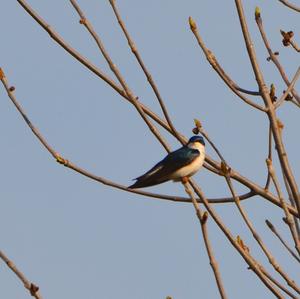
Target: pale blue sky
x,y
79,239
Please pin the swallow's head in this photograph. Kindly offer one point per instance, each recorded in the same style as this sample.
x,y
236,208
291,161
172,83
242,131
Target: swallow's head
x,y
194,140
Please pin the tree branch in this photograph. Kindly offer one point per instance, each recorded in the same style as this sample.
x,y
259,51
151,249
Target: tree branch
x,y
290,88
248,259
226,171
137,55
275,232
55,36
273,57
203,217
290,5
216,66
282,155
133,99
31,287
279,285
289,219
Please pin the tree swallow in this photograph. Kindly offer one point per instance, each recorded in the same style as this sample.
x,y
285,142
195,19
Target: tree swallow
x,y
177,165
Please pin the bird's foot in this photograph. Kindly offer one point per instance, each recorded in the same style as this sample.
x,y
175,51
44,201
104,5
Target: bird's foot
x,y
185,179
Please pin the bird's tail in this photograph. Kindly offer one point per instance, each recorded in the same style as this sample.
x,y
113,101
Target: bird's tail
x,y
146,182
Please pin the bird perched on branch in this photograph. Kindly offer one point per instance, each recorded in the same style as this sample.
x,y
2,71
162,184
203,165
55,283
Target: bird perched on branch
x,y
177,166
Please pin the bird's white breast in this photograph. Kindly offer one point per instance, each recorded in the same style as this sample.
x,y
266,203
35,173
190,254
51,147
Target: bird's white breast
x,y
192,168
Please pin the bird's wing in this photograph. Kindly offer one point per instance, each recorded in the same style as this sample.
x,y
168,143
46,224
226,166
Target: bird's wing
x,y
162,170
174,161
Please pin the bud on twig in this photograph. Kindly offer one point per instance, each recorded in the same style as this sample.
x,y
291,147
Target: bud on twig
x,y
204,217
33,289
270,225
272,93
242,244
193,24
198,126
225,169
287,36
257,13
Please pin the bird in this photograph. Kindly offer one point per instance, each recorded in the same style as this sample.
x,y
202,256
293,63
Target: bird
x,y
178,165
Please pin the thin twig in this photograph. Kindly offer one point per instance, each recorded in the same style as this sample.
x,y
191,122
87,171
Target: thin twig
x,y
31,287
275,232
295,46
216,66
286,93
259,240
137,55
290,5
282,155
272,56
278,284
269,156
293,101
133,99
289,219
203,217
248,259
55,36
273,262
249,184
291,200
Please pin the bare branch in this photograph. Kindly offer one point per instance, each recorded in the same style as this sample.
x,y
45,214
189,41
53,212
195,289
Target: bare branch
x,y
248,183
291,200
216,66
137,55
55,36
259,240
273,57
274,230
282,155
269,157
286,93
248,259
133,99
295,46
226,171
290,5
203,217
279,285
289,219
31,287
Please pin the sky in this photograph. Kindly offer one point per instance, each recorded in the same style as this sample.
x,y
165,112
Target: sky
x,y
76,238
